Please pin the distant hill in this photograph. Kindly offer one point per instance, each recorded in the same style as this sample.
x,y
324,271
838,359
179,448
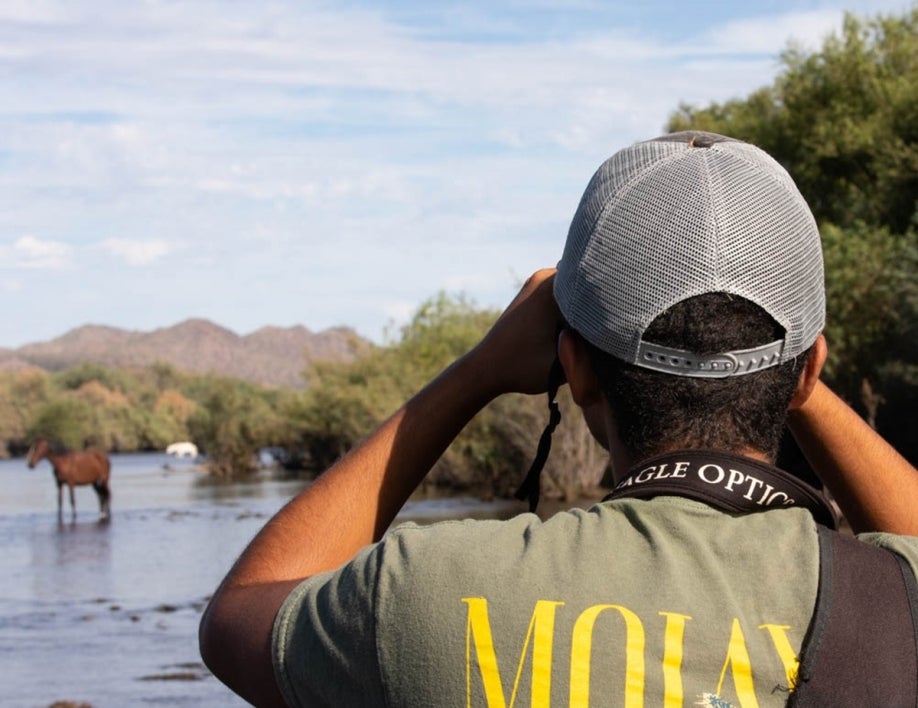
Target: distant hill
x,y
275,356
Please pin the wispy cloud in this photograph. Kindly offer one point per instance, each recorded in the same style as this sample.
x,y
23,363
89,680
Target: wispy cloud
x,y
770,34
29,252
138,252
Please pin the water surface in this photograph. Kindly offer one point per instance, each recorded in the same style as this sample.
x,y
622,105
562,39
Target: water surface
x,y
107,612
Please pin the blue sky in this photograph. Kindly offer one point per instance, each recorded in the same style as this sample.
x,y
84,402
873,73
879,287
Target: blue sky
x,y
331,163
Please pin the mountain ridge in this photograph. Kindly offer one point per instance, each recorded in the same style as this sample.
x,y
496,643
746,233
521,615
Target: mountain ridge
x,y
271,355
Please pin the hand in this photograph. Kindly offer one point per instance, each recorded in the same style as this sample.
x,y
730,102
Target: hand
x,y
517,354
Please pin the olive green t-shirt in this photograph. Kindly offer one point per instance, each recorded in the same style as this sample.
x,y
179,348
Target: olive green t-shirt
x,y
663,602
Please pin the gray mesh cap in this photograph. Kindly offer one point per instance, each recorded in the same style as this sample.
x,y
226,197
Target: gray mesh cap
x,y
684,215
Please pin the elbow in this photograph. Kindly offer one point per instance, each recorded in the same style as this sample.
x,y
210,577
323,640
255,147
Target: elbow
x,y
234,640
220,645
211,637
220,642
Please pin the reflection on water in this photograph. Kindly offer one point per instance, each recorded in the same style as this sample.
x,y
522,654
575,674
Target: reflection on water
x,y
107,613
58,549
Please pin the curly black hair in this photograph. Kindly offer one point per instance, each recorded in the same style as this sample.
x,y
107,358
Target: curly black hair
x,y
656,411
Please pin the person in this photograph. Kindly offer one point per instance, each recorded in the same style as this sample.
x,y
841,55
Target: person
x,y
690,303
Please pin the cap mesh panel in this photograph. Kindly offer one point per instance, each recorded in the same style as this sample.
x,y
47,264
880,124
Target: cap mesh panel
x,y
663,221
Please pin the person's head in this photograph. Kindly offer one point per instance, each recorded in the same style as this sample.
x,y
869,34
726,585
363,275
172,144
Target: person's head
x,y
692,276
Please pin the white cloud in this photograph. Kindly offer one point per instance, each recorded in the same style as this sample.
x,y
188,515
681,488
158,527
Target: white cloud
x,y
138,252
32,253
771,34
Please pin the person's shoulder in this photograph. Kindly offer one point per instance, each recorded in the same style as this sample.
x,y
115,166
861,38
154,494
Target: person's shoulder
x,y
523,525
458,533
484,542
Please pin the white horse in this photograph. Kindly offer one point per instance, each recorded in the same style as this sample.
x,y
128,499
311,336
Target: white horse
x,y
183,449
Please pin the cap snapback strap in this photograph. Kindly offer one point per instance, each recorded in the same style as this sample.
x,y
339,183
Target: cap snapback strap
x,y
715,366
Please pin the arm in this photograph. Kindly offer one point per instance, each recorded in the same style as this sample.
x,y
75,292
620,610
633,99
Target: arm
x,y
354,502
876,488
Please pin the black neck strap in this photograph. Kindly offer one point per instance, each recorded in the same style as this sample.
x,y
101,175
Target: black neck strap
x,y
728,482
530,488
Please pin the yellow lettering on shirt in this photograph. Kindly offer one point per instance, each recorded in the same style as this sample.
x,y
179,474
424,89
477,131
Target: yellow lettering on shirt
x,y
672,659
481,657
540,634
582,649
738,660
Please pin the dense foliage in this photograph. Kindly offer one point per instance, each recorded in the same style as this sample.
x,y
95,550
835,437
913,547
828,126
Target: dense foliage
x,y
844,122
114,409
345,401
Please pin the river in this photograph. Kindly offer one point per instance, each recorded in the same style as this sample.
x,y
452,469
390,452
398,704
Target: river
x,y
106,613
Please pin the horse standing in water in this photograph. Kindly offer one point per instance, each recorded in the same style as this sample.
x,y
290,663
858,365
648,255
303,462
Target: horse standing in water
x,y
73,468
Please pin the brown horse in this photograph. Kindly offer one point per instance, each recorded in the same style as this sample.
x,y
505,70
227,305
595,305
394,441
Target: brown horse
x,y
73,468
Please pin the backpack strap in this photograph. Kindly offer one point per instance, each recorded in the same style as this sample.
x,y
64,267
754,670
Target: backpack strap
x,y
861,648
